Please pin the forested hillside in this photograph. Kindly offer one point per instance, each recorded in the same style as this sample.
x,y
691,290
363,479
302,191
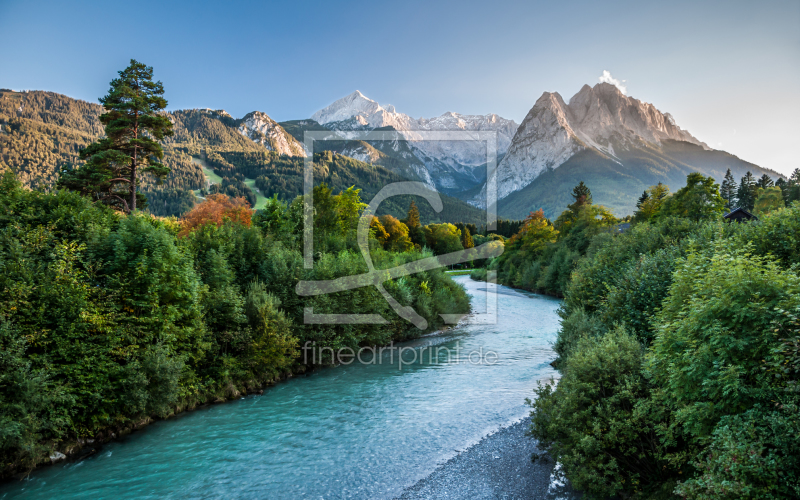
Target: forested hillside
x,y
43,132
282,175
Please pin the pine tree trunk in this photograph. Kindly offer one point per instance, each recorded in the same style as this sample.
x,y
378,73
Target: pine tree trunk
x,y
133,165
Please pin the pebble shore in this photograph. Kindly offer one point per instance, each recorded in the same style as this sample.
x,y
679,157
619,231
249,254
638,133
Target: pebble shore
x,y
498,467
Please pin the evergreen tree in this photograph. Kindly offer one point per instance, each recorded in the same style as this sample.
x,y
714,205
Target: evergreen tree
x,y
412,219
133,127
643,199
583,199
728,190
793,187
582,195
415,231
785,188
765,181
746,194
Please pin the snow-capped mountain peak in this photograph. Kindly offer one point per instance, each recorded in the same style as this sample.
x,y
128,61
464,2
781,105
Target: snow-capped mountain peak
x,y
441,158
364,110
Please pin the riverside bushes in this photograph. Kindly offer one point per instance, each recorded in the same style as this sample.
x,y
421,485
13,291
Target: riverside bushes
x,y
680,362
107,319
679,346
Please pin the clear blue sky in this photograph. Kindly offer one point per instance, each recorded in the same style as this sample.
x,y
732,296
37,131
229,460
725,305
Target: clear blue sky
x,y
729,72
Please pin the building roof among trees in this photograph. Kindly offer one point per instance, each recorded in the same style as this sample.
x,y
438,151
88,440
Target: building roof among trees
x,y
739,215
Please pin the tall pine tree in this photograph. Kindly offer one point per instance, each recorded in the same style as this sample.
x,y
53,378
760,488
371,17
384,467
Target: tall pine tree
x,y
133,127
728,190
785,189
415,231
746,194
466,238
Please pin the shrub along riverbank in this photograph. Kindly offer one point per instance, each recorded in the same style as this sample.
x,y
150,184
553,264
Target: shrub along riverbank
x,y
679,351
108,320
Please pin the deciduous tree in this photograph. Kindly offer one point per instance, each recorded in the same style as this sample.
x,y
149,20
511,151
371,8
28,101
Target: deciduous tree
x,y
216,209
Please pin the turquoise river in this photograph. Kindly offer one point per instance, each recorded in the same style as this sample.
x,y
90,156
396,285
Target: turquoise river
x,y
356,431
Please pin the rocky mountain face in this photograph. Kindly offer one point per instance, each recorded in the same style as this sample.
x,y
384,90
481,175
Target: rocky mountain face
x,y
452,166
600,118
260,128
616,144
356,111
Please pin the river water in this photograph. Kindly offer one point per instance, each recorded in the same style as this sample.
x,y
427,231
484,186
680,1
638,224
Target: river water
x,y
356,431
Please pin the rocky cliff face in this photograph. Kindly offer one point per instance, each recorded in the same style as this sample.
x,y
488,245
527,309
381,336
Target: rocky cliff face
x,y
601,113
262,129
600,118
447,164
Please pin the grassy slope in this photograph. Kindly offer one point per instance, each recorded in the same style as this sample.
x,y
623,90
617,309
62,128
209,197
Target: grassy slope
x,y
211,176
261,201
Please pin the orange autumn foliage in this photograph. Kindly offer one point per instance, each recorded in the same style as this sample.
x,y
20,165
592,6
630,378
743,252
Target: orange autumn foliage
x,y
216,209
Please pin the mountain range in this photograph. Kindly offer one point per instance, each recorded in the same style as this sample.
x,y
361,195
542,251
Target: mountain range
x,y
614,143
445,165
42,132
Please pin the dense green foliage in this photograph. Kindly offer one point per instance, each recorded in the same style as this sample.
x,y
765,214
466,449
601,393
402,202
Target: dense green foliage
x,y
107,319
542,254
688,330
679,346
679,356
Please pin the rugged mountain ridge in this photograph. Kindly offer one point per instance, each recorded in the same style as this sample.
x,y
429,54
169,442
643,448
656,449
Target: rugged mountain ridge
x,y
42,132
616,144
599,117
451,166
623,144
260,128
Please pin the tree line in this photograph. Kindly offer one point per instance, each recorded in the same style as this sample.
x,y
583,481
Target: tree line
x,y
678,347
110,316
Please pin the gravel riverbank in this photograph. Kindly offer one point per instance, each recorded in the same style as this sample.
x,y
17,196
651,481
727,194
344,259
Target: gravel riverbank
x,y
498,467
